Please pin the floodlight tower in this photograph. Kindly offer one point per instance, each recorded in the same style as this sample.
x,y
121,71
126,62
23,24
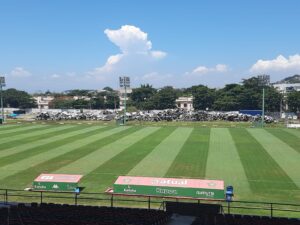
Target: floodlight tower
x,y
2,84
263,81
124,83
263,108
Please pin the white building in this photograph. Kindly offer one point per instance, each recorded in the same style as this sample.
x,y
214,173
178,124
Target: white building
x,y
185,103
286,88
43,101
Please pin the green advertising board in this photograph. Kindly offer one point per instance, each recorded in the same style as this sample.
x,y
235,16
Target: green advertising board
x,y
56,182
170,187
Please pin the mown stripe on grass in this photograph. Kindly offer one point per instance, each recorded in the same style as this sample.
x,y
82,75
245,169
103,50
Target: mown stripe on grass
x,y
293,132
39,158
16,153
29,134
93,160
288,138
263,173
24,141
121,164
191,160
287,157
160,159
24,134
224,163
24,177
20,130
9,126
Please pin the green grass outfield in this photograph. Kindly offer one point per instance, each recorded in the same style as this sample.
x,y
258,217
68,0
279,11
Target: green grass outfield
x,y
262,164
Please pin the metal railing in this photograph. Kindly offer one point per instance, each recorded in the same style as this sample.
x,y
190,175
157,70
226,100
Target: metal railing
x,y
13,196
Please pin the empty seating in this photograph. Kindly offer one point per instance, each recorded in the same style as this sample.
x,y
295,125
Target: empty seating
x,y
54,214
229,219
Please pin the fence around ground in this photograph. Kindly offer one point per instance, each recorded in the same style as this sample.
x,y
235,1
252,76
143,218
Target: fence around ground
x,y
12,196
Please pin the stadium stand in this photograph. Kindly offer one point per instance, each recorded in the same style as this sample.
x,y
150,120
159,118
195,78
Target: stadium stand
x,y
55,214
230,219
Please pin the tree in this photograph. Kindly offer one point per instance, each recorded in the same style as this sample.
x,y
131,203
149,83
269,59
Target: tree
x,y
227,98
112,100
109,89
272,99
164,98
203,97
18,99
61,103
293,100
98,102
81,104
141,97
251,96
78,92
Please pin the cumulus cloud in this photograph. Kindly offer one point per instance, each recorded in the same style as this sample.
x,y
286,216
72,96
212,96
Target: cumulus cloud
x,y
109,65
129,39
221,68
281,63
135,50
210,76
158,54
55,75
20,72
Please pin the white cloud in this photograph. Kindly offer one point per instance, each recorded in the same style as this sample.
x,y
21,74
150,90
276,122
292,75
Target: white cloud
x,y
158,54
135,51
55,76
129,39
109,65
201,69
20,72
221,68
281,63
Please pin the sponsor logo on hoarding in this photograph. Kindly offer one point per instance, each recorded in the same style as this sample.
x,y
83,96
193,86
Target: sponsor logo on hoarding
x,y
168,181
40,186
46,177
129,189
206,193
211,184
126,180
166,191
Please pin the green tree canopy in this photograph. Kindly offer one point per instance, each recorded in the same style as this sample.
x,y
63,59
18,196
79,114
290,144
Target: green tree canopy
x,y
112,100
293,100
203,97
61,103
18,99
141,97
164,98
227,98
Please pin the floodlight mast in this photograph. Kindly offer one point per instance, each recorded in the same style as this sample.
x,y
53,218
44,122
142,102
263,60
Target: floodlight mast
x,y
263,108
263,81
124,82
2,84
125,97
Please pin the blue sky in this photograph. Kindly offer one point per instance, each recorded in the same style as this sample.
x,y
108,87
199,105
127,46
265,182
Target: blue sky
x,y
62,44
